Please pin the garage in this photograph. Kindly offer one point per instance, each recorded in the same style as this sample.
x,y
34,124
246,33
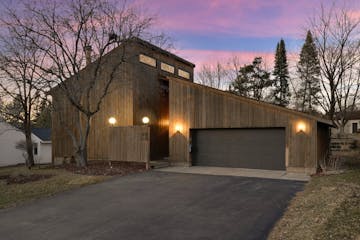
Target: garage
x,y
259,148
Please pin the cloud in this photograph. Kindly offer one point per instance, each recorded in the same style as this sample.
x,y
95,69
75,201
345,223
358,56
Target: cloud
x,y
212,57
240,17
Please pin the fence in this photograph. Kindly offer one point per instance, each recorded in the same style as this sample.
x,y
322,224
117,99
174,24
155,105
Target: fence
x,y
130,144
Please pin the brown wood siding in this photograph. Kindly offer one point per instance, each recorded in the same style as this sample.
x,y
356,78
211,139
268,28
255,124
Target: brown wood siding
x,y
196,106
130,144
118,103
133,94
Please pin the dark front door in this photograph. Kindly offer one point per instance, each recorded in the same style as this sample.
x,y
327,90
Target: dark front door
x,y
261,148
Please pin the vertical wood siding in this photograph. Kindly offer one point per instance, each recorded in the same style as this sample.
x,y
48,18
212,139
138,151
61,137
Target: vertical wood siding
x,y
195,106
129,144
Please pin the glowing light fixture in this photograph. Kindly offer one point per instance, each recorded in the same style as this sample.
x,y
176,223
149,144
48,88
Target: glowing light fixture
x,y
112,121
145,120
178,128
300,127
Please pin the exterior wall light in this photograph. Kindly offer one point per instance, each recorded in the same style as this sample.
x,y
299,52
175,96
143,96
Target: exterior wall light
x,y
178,128
112,121
145,120
301,127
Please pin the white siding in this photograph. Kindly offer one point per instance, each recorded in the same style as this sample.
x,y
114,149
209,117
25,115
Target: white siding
x,y
9,136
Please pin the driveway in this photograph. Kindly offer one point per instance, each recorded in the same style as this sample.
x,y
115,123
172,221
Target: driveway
x,y
155,205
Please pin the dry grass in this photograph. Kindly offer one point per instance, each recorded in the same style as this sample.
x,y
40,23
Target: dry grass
x,y
13,194
328,208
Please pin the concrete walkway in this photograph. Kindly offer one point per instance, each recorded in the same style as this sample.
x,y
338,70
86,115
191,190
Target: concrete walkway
x,y
239,172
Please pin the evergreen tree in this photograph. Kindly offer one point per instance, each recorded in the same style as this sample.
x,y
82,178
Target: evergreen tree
x,y
281,76
12,112
308,69
43,115
252,80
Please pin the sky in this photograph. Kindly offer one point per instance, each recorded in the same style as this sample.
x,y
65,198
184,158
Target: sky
x,y
208,31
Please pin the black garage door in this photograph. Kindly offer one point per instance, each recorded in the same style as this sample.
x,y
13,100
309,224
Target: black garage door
x,y
261,148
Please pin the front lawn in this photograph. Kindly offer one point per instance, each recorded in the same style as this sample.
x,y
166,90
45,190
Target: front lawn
x,y
328,208
19,184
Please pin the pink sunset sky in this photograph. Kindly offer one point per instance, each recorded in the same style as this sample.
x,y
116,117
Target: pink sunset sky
x,y
207,31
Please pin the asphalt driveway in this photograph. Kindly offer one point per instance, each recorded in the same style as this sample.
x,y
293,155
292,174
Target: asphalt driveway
x,y
155,205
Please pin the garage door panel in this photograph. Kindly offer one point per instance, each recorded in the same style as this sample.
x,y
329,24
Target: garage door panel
x,y
245,148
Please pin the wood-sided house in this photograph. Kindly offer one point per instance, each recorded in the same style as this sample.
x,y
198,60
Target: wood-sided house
x,y
189,123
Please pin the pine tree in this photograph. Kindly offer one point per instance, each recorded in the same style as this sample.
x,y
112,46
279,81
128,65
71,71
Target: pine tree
x,y
308,69
43,115
281,76
252,80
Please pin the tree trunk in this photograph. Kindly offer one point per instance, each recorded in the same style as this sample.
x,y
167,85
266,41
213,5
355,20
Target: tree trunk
x,y
82,158
29,143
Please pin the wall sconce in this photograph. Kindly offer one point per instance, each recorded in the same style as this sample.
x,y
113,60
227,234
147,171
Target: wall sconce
x,y
178,128
112,121
301,127
145,120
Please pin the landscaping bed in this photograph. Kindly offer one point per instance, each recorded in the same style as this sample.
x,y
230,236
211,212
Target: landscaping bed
x,y
19,184
106,168
328,208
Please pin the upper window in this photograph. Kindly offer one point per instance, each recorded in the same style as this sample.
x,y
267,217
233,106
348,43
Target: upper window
x,y
147,60
167,68
184,74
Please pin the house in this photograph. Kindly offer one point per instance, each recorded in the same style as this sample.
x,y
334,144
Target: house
x,y
9,138
155,111
41,138
352,126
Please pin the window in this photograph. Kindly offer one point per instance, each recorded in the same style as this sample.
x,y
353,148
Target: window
x,y
184,74
354,127
147,60
35,149
167,68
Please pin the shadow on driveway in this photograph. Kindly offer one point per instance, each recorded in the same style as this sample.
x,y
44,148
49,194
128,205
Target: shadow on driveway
x,y
155,205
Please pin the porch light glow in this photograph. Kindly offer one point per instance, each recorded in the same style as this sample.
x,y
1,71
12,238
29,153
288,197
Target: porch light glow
x,y
301,127
178,128
112,121
145,120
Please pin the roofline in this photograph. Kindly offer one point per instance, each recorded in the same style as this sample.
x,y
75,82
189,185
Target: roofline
x,y
129,41
165,52
284,109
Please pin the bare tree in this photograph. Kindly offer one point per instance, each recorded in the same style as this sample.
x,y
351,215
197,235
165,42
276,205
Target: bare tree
x,y
347,97
336,38
20,81
213,76
72,32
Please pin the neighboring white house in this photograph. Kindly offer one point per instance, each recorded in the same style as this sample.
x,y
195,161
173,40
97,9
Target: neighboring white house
x,y
10,136
352,126
42,145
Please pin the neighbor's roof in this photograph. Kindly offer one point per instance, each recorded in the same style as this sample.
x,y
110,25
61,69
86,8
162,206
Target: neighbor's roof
x,y
265,104
43,133
355,115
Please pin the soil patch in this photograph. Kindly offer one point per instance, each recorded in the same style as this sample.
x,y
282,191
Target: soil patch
x,y
21,179
106,168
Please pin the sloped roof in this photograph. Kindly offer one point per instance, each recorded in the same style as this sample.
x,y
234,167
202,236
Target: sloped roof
x,y
138,41
355,115
265,104
43,133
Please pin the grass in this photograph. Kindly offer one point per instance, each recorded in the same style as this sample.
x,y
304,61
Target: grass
x,y
62,180
328,208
